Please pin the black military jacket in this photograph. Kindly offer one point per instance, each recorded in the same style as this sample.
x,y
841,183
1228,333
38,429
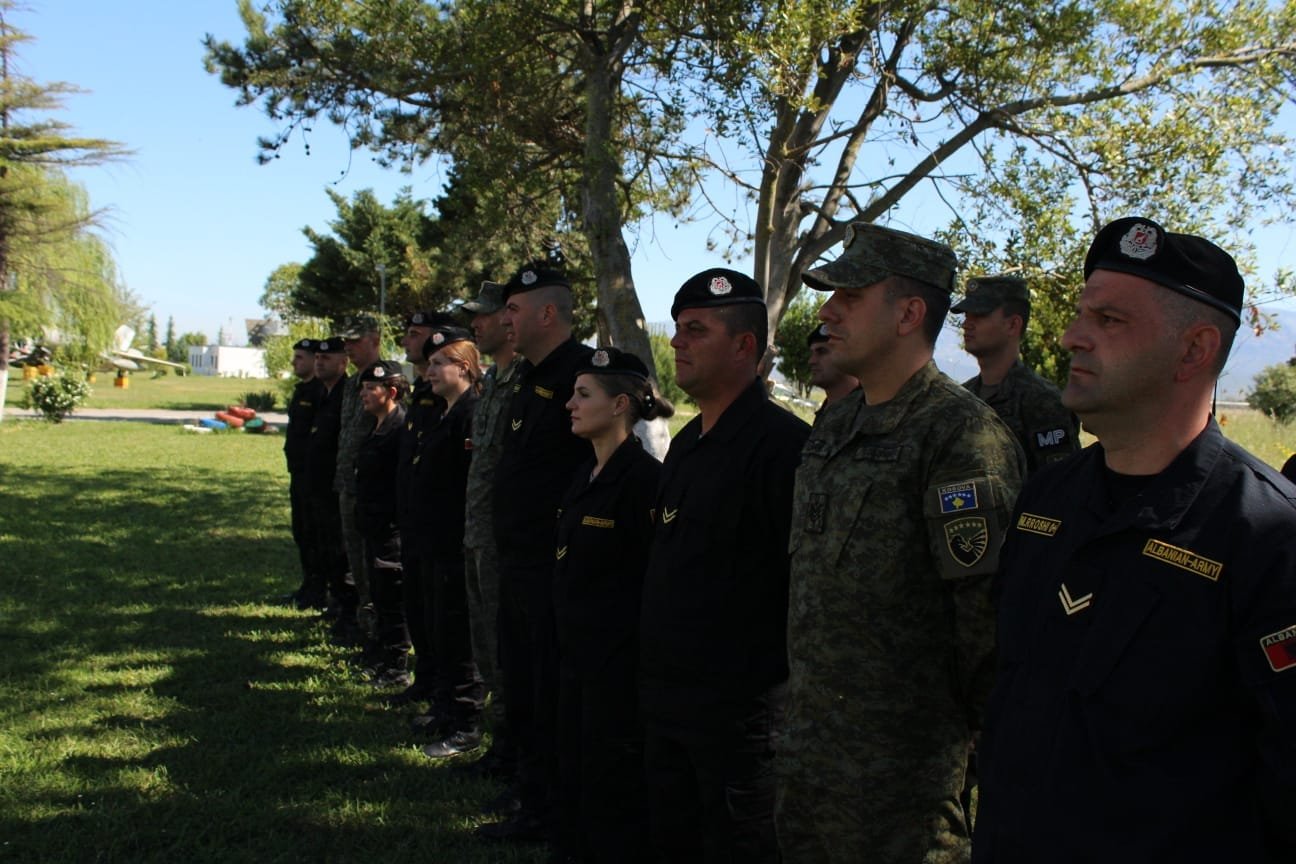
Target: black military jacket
x,y
305,401
1146,696
423,411
714,622
377,461
604,528
539,455
321,449
441,476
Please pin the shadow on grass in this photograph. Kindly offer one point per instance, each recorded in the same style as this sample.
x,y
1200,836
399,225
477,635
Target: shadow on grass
x,y
166,711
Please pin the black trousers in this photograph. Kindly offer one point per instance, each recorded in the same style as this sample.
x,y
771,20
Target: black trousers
x,y
529,657
711,789
329,554
603,808
418,617
459,690
382,551
312,584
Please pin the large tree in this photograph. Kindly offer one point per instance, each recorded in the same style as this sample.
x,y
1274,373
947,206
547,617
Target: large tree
x,y
1026,122
39,208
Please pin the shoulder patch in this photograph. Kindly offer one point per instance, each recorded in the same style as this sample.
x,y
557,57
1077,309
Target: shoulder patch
x,y
1050,439
1280,649
957,497
1183,559
967,539
1042,525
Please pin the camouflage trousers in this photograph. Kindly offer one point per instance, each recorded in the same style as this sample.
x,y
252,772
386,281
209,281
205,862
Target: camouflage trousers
x,y
354,547
481,575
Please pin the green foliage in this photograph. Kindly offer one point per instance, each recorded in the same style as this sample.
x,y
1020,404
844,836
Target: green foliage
x,y
263,400
56,396
664,365
801,318
178,348
1274,392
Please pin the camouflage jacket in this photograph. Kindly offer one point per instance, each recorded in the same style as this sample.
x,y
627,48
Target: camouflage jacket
x,y
1032,408
898,515
356,426
487,440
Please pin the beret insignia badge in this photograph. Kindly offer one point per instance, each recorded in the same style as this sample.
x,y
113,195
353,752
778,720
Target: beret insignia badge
x,y
720,286
418,318
1140,242
379,372
528,277
438,338
600,358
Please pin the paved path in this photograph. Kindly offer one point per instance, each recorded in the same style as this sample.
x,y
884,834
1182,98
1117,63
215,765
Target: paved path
x,y
140,415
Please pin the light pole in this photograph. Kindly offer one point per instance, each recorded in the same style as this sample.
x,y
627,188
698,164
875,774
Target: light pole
x,y
382,290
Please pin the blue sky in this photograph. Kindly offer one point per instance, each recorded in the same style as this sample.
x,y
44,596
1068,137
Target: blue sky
x,y
197,225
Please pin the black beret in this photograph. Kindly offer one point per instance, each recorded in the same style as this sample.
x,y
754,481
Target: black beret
x,y
443,336
533,276
383,371
424,318
305,345
614,361
331,345
1192,266
716,287
818,334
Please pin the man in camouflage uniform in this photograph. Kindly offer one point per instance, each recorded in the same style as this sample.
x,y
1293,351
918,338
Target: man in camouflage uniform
x,y
481,562
361,340
995,311
901,502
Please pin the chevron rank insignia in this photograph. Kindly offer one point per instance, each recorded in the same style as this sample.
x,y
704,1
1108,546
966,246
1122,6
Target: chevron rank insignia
x,y
1072,605
668,515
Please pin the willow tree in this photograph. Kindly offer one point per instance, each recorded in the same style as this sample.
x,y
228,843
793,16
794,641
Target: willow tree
x,y
41,210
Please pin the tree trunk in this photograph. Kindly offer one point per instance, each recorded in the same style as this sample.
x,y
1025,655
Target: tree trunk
x,y
620,315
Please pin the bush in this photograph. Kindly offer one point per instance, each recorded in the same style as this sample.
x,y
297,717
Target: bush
x,y
1274,392
664,366
800,319
263,401
57,396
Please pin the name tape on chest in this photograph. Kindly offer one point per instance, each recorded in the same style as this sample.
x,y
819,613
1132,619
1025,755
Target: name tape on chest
x,y
1042,525
1280,649
1183,559
598,522
957,497
543,392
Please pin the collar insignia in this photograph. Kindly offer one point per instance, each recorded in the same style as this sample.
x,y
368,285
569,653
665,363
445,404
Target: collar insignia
x,y
1073,605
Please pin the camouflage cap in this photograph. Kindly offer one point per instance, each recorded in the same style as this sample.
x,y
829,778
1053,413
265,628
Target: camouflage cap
x,y
358,326
489,299
984,294
871,253
330,345
1192,266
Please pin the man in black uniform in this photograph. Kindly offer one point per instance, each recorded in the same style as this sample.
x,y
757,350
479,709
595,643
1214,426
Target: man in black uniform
x,y
835,383
1146,694
423,408
320,465
995,312
714,619
312,593
539,455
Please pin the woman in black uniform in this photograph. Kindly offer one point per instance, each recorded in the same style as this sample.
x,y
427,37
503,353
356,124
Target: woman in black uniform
x,y
383,386
441,479
605,526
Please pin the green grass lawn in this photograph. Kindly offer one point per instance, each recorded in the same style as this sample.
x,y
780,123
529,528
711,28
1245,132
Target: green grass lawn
x,y
155,703
187,393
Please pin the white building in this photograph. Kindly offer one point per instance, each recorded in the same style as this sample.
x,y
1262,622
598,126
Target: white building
x,y
228,361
